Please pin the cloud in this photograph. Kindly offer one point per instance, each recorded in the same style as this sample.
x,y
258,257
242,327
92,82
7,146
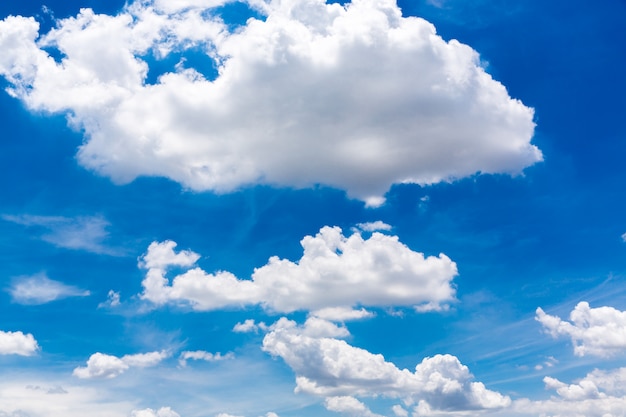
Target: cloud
x,y
624,237
316,110
27,397
373,226
39,289
161,412
17,343
329,367
594,331
598,394
79,233
203,355
113,300
349,406
342,314
105,366
334,271
249,326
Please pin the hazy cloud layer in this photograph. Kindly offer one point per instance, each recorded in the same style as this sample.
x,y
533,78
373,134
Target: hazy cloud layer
x,y
334,271
327,366
296,101
593,331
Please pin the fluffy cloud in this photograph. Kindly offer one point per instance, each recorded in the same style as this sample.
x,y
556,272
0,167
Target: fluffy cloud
x,y
342,314
330,367
594,331
203,356
39,289
101,365
349,406
334,271
80,233
17,343
248,326
316,109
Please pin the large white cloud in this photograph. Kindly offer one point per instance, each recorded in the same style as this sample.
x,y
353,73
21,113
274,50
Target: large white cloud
x,y
100,365
357,97
17,343
334,271
594,331
330,367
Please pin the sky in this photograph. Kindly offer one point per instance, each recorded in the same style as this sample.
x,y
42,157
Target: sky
x,y
296,208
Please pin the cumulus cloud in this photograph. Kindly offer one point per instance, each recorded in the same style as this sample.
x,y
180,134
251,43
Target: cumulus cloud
x,y
594,331
334,271
39,289
201,355
100,365
86,233
330,367
248,326
17,343
316,109
349,406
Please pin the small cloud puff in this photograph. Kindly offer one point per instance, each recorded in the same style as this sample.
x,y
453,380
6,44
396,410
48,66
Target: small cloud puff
x,y
105,366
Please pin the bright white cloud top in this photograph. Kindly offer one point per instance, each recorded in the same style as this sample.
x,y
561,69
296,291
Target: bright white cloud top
x,y
594,331
334,271
17,343
330,367
296,100
101,365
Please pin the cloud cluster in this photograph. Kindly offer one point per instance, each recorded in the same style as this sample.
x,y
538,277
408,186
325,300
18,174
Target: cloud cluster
x,y
594,331
330,367
296,100
17,343
100,365
39,289
334,271
598,394
201,355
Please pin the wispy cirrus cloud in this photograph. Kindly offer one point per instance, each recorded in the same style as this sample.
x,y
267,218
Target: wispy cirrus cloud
x,y
87,233
39,289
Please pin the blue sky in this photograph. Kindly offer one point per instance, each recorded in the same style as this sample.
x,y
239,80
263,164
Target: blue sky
x,y
292,208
